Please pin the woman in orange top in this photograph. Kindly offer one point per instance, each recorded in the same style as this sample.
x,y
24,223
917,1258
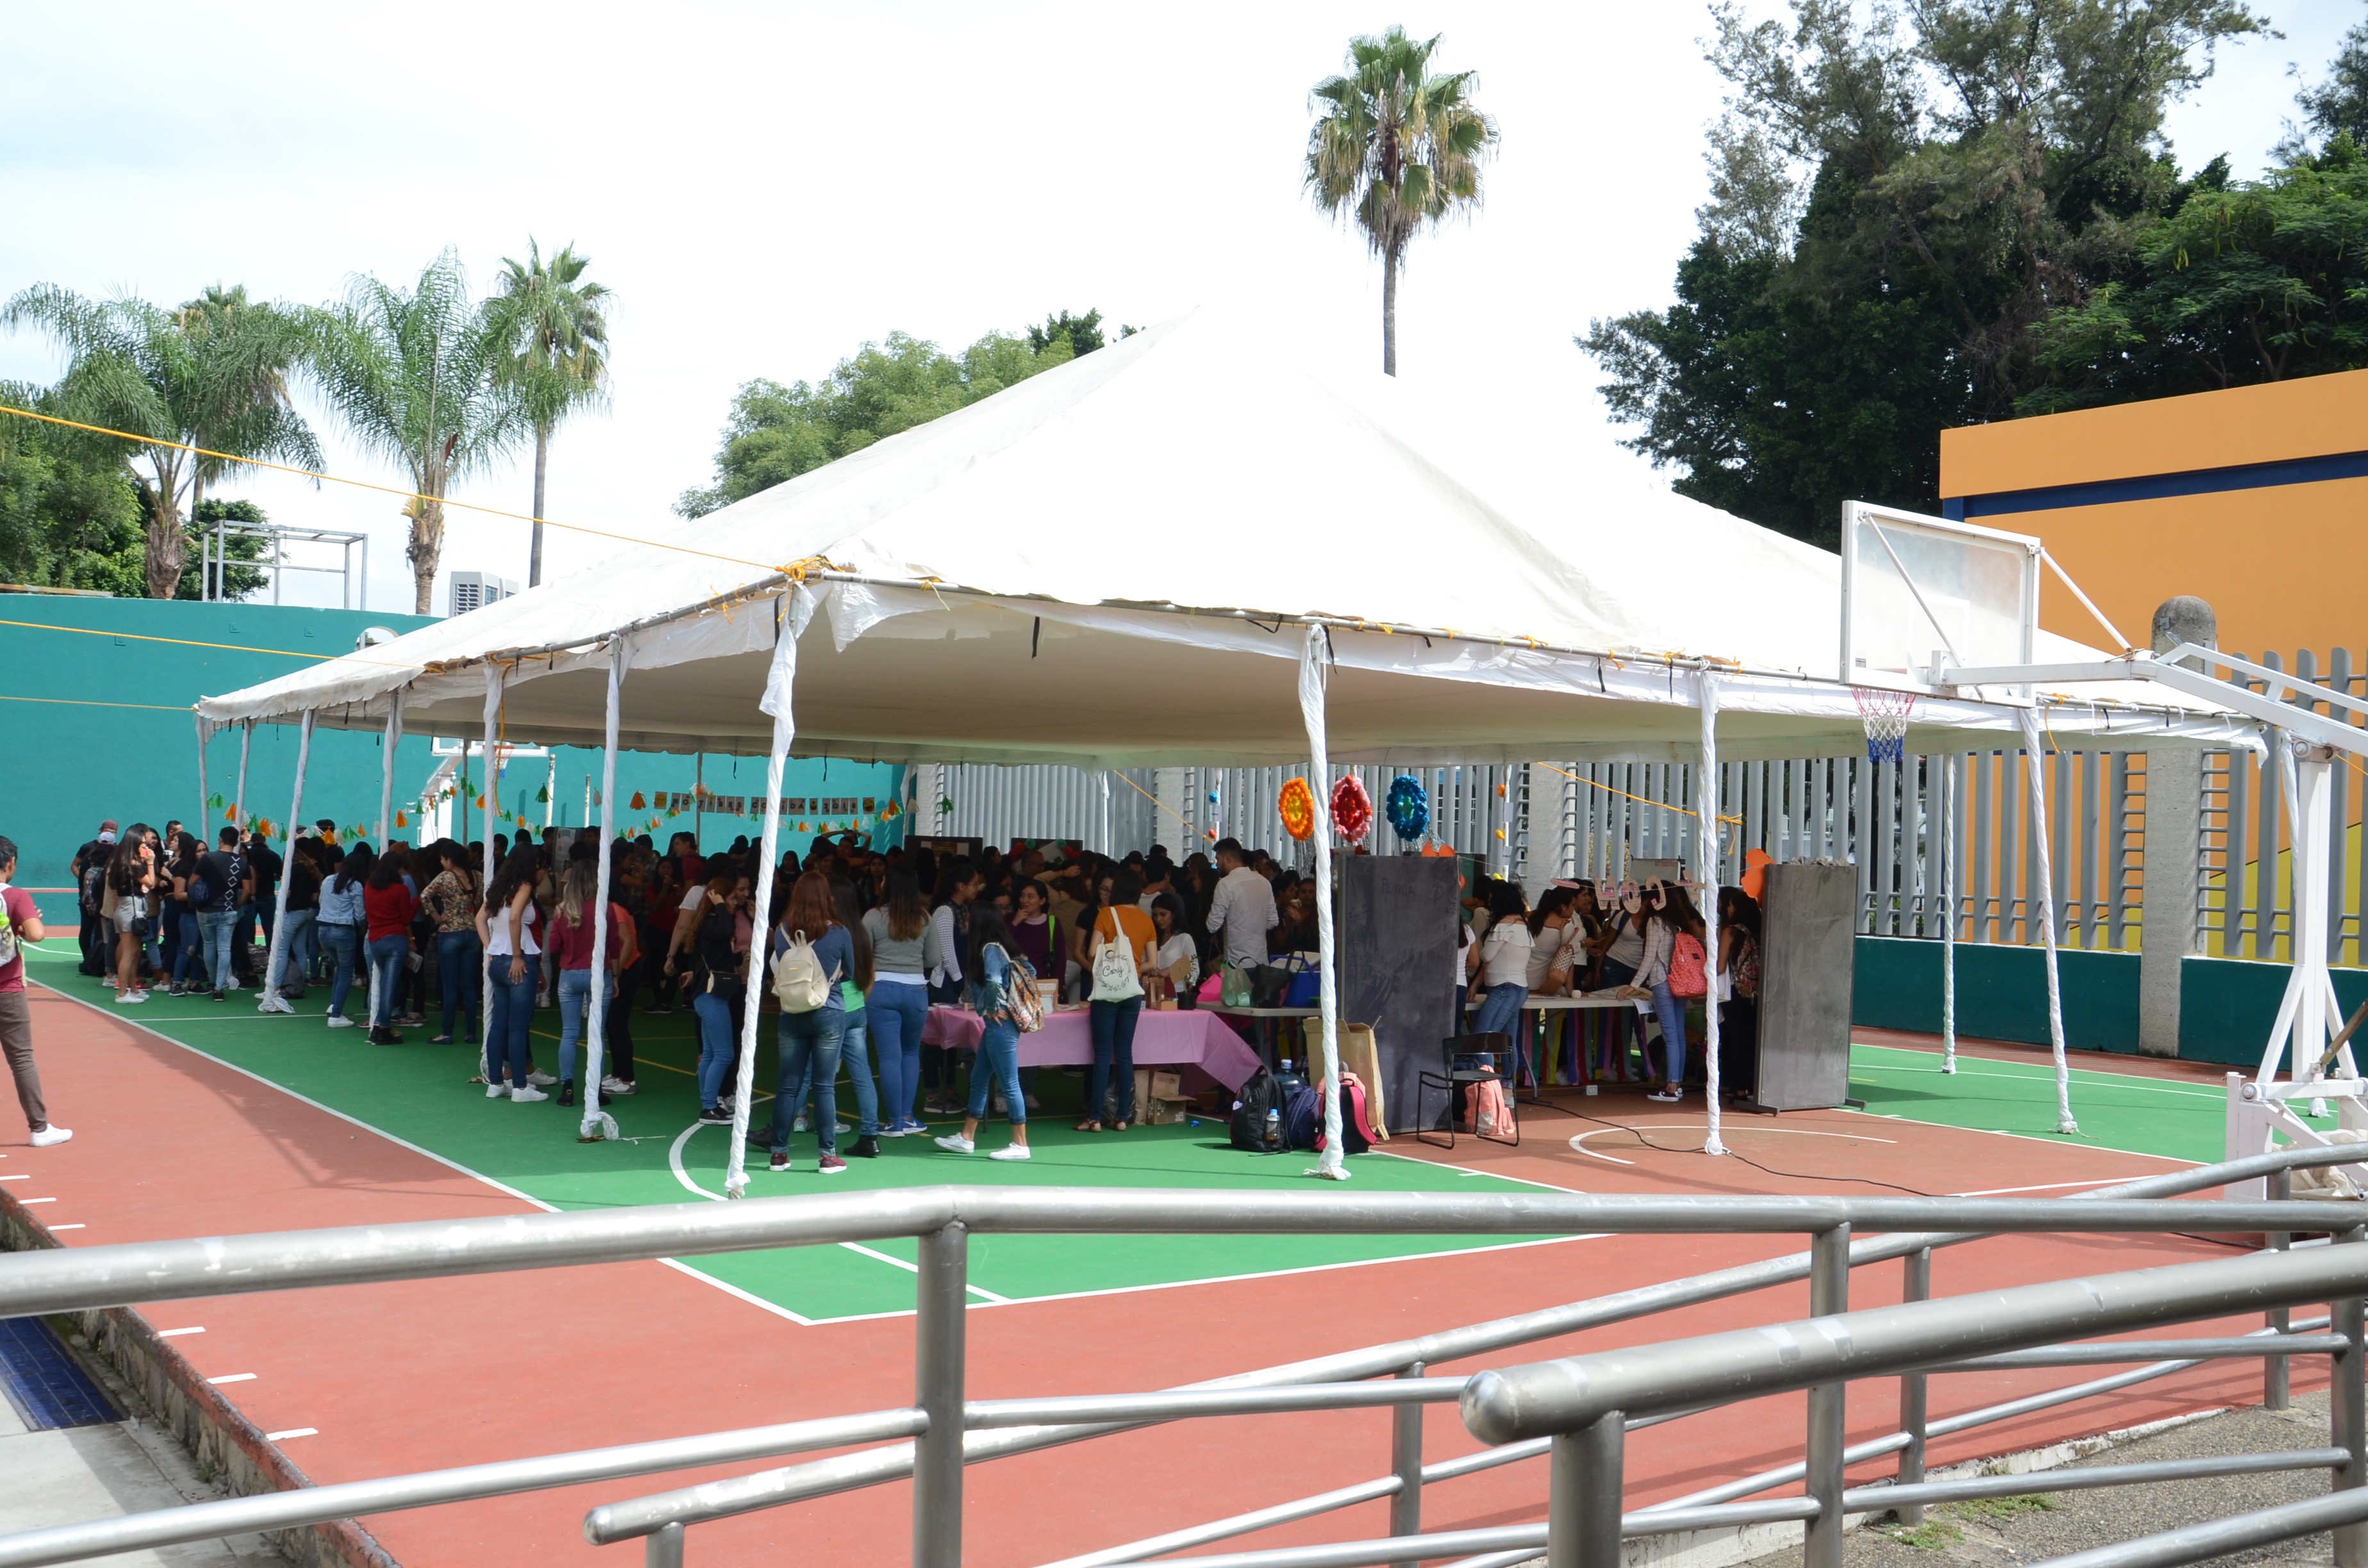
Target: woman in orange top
x,y
1121,921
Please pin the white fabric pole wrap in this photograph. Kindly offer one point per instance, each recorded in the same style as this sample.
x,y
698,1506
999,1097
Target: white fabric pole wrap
x,y
271,1002
386,768
238,801
778,681
1706,869
598,1123
1949,916
486,974
2035,759
1332,1163
205,818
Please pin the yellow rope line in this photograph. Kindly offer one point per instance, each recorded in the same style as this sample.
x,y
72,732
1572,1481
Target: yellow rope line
x,y
192,643
84,702
1626,796
390,490
1155,800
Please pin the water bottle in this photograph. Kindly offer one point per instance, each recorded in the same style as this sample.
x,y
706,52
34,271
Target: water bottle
x,y
1273,1128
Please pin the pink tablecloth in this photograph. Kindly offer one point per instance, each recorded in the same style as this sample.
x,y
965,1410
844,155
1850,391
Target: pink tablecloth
x,y
1181,1037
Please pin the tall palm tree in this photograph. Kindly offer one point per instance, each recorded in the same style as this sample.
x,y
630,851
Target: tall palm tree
x,y
211,374
1393,148
418,374
556,327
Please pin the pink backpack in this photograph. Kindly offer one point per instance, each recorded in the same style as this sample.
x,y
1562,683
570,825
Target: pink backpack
x,y
1686,977
1492,1115
1355,1120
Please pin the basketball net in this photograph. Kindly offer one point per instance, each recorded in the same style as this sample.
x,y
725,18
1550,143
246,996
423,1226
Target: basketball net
x,y
1884,714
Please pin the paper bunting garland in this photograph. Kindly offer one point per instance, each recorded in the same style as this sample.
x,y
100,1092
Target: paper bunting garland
x,y
1352,809
639,802
1297,804
1408,807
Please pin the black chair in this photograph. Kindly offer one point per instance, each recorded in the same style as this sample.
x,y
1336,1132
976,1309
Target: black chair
x,y
1453,1083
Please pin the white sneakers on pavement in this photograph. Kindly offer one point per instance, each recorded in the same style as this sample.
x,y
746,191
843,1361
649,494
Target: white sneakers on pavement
x,y
339,1021
498,1091
527,1095
1011,1152
955,1143
50,1135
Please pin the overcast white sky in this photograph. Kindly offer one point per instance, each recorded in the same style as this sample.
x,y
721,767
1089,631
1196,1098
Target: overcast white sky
x,y
767,187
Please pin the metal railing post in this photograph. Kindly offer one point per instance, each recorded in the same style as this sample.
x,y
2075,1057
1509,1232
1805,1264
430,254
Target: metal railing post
x,y
2276,1386
1584,1490
1406,1461
938,1354
1917,1287
2347,1415
1829,1295
663,1550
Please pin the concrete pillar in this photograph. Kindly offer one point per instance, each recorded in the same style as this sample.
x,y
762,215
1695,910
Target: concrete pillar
x,y
1169,786
2171,930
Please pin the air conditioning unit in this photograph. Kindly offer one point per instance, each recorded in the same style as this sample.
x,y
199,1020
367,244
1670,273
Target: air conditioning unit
x,y
475,590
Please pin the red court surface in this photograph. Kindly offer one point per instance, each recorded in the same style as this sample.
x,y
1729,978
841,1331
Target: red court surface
x,y
423,1375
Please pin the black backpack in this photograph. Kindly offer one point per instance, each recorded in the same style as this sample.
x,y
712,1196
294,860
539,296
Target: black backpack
x,y
1258,1115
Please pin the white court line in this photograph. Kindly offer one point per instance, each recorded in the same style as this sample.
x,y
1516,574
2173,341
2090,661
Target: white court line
x,y
37,1201
2037,1073
233,1377
291,1432
54,1229
2047,1187
176,1332
1579,1141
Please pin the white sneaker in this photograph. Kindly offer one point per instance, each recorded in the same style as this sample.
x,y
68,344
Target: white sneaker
x,y
954,1142
892,1132
841,1129
51,1134
538,1077
492,1091
529,1093
130,998
798,1125
1011,1151
614,1086
339,1021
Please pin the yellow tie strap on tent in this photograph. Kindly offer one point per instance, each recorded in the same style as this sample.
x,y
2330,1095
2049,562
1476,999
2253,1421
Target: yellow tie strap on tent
x,y
366,485
1149,796
1624,795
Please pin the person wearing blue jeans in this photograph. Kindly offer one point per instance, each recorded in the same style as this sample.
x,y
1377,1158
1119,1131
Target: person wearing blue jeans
x,y
810,945
506,1039
852,1053
192,951
809,1049
215,926
893,1015
388,957
577,996
999,1043
1672,917
714,980
461,973
715,1052
342,946
297,950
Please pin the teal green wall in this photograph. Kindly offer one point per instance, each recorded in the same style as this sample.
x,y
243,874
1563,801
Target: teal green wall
x,y
2002,992
98,724
2226,1005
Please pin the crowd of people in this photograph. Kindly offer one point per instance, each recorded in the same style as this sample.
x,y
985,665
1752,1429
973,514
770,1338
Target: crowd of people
x,y
873,938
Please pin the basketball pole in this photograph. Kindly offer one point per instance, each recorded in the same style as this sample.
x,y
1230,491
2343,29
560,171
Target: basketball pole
x,y
2033,755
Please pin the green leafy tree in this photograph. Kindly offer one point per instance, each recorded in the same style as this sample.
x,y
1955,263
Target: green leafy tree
x,y
2245,282
2339,105
69,517
1897,202
212,374
1394,148
420,377
776,432
556,326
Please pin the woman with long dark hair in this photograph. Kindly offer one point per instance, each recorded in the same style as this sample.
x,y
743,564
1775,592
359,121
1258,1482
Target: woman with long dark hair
x,y
341,923
1671,915
715,976
132,874
181,915
451,901
1738,967
809,1040
906,948
506,923
998,1045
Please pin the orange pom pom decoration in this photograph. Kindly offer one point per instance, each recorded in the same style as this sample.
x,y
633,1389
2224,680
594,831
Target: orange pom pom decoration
x,y
1297,804
1352,809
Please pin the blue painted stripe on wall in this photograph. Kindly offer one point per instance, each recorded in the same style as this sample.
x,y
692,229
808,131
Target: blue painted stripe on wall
x,y
2160,486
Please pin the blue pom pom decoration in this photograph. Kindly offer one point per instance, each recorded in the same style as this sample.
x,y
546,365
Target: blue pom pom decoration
x,y
1408,807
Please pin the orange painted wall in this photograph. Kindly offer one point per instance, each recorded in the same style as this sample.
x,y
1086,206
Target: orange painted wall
x,y
2283,566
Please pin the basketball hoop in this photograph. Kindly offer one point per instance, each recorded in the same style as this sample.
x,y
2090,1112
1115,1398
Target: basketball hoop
x,y
1884,714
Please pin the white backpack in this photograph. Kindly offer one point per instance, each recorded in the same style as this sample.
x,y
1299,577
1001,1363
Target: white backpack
x,y
1116,978
798,981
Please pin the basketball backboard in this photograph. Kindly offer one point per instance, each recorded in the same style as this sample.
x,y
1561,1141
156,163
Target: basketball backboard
x,y
1914,586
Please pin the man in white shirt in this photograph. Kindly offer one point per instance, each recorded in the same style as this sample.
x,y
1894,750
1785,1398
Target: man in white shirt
x,y
1243,909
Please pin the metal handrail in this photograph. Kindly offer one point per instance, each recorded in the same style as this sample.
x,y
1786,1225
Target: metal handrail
x,y
79,1278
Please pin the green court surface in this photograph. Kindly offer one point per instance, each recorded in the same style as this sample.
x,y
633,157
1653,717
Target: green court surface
x,y
2180,1119
421,1094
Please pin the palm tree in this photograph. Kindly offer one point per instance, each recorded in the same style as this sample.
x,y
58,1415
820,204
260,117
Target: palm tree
x,y
1393,148
418,374
212,374
556,328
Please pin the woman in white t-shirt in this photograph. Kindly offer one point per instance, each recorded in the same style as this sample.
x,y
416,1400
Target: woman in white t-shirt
x,y
514,959
1505,967
1552,927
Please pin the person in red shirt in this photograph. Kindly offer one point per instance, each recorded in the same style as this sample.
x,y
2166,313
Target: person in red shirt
x,y
20,922
584,977
390,905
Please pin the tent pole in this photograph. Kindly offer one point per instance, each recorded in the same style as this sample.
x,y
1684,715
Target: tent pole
x,y
1949,918
551,790
2034,757
1331,1163
777,684
386,769
485,825
238,801
598,1123
205,801
1706,861
271,1002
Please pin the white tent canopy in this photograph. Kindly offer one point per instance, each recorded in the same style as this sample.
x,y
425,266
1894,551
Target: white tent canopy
x,y
1102,543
